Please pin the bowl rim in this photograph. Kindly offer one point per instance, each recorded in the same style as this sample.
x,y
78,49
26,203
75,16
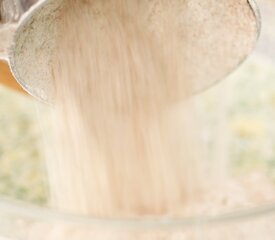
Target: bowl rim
x,y
23,210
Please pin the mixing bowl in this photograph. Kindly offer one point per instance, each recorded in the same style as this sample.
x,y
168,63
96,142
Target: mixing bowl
x,y
25,222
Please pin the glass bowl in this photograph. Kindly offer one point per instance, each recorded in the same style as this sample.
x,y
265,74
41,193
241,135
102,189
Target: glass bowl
x,y
26,222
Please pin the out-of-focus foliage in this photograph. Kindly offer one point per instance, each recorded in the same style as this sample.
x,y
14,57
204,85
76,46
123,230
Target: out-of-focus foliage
x,y
240,115
21,167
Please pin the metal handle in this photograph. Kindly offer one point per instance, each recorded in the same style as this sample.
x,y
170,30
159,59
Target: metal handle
x,y
12,10
10,13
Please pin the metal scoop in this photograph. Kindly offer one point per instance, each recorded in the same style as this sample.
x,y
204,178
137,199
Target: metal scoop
x,y
218,36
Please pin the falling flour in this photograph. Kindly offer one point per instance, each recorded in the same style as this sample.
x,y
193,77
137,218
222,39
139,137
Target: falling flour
x,y
122,145
125,139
